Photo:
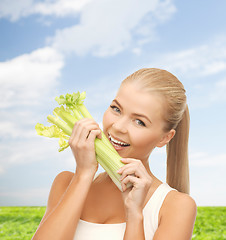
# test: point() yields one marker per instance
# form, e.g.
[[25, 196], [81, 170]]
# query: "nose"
[[120, 125]]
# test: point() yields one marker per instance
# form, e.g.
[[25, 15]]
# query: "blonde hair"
[[176, 117]]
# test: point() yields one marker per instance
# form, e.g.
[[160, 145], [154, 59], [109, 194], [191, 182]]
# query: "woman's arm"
[[134, 227], [66, 202], [61, 219], [177, 219], [177, 214], [134, 197]]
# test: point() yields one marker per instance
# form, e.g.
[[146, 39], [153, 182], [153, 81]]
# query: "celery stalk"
[[61, 124], [66, 116], [111, 173], [107, 156], [83, 110], [77, 114]]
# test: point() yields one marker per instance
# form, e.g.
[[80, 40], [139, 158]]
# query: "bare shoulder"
[[58, 188], [178, 200], [177, 203], [177, 216]]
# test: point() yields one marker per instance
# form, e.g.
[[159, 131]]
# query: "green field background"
[[21, 223]]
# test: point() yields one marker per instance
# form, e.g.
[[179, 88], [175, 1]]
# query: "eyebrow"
[[135, 114]]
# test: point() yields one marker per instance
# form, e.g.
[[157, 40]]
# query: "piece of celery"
[[72, 111]]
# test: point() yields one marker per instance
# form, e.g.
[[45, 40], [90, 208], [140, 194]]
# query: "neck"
[[146, 165]]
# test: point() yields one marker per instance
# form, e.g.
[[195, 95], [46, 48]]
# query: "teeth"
[[117, 142]]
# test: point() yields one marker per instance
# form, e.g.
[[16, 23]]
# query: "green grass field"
[[21, 223]]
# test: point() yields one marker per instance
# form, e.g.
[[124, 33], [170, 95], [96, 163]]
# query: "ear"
[[166, 138]]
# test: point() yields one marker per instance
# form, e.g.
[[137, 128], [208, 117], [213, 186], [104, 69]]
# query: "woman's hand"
[[82, 144], [134, 197]]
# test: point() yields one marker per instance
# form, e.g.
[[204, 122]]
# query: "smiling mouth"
[[117, 143]]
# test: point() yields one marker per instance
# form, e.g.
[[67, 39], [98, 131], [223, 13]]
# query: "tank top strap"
[[152, 208]]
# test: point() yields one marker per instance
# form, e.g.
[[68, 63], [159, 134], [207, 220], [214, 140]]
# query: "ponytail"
[[176, 117], [177, 156]]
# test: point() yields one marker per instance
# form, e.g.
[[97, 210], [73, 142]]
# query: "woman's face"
[[133, 122]]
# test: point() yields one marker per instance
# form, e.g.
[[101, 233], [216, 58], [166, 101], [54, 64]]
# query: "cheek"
[[146, 140], [143, 145], [107, 119]]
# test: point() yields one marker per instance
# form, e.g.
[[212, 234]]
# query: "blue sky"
[[48, 48]]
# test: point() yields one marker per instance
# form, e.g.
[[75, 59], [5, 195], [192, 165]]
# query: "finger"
[[120, 170], [86, 127], [126, 166], [84, 122], [76, 132], [98, 133], [77, 126], [128, 162], [84, 134], [131, 170], [86, 130], [91, 121], [131, 179], [82, 129], [92, 135]]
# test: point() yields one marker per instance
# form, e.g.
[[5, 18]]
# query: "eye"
[[139, 122], [115, 109]]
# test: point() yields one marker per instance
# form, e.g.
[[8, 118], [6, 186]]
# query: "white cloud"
[[15, 9], [18, 122], [27, 197], [1, 170], [109, 26], [218, 92], [28, 78], [204, 159], [207, 94], [200, 61], [12, 129], [207, 173], [137, 51], [27, 83], [106, 27], [200, 69], [208, 192], [26, 151], [35, 192], [23, 8], [60, 8]]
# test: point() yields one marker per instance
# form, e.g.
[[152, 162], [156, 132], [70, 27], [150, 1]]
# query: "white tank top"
[[96, 231]]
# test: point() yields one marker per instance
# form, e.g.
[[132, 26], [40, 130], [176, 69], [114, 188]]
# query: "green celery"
[[74, 110]]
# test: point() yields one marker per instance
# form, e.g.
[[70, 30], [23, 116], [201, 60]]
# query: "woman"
[[149, 111]]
